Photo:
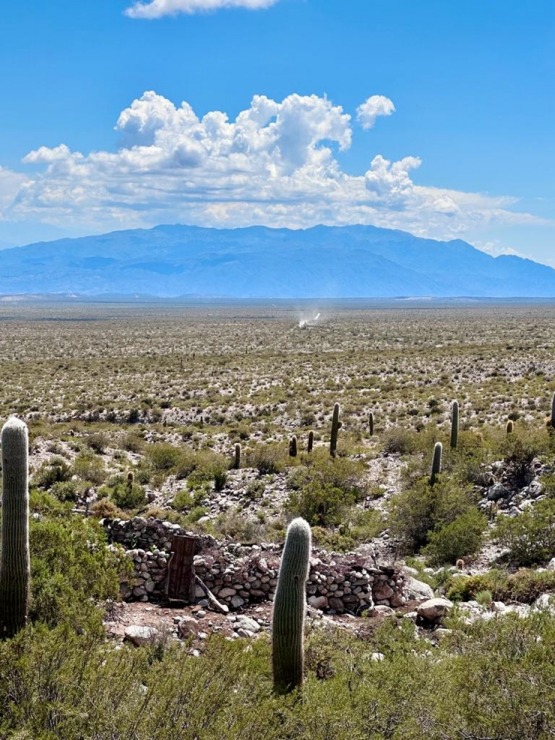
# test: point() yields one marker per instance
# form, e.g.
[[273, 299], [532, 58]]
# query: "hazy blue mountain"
[[258, 262]]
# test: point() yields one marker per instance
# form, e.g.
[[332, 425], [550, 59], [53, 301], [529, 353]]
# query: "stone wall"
[[240, 575]]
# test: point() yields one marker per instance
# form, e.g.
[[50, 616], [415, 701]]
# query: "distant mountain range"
[[259, 262]]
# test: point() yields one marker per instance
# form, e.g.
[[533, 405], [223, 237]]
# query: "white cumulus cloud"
[[374, 106], [160, 8], [277, 163]]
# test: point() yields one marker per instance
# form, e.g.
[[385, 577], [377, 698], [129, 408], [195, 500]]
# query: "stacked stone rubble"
[[243, 575]]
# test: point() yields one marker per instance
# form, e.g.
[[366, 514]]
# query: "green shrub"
[[89, 467], [524, 586], [98, 442], [416, 512], [530, 536], [65, 490], [182, 501], [55, 470], [125, 494], [163, 456], [268, 458], [71, 568], [463, 536], [400, 441], [324, 489]]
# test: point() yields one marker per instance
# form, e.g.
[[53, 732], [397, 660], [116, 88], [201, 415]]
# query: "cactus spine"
[[454, 424], [436, 462], [310, 444], [293, 446], [15, 560], [335, 427], [289, 609], [371, 423], [237, 457]]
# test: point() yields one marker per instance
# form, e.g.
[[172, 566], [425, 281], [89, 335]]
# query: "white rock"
[[434, 610], [139, 634], [318, 602], [248, 623], [418, 589]]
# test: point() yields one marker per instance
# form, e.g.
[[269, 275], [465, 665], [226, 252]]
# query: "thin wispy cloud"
[[277, 163], [161, 8]]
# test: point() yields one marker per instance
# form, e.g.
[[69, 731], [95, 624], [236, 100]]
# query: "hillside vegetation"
[[138, 411]]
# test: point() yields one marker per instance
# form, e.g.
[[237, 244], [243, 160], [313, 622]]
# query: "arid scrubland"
[[186, 415]]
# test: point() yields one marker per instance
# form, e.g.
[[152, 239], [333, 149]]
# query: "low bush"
[[463, 536], [421, 510], [55, 470], [524, 586], [530, 536]]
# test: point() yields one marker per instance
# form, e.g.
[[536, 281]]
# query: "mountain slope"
[[258, 262]]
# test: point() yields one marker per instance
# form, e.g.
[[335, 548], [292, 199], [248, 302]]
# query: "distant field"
[[254, 365]]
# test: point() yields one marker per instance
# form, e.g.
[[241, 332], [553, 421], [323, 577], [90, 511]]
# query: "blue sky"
[[433, 117]]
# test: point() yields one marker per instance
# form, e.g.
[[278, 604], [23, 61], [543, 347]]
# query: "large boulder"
[[418, 589], [434, 610]]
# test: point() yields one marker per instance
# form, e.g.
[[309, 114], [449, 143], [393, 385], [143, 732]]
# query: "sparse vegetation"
[[123, 419]]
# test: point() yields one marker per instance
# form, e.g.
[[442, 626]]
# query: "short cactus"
[[289, 609], [310, 444], [335, 427], [293, 446], [371, 423], [237, 457], [454, 424], [510, 427], [15, 559], [436, 462]]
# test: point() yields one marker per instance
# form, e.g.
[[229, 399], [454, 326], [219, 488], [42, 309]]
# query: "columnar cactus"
[[237, 457], [289, 609], [14, 560], [436, 462], [553, 411], [510, 427], [293, 446], [335, 427], [454, 424], [371, 423], [310, 444]]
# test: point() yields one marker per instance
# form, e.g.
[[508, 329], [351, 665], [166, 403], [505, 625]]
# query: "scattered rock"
[[140, 635], [434, 610]]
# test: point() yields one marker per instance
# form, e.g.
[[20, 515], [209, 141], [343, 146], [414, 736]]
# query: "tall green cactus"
[[454, 424], [289, 609], [335, 427], [14, 560], [371, 423], [553, 411], [310, 444], [436, 462]]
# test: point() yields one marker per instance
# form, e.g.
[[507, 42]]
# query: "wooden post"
[[180, 584]]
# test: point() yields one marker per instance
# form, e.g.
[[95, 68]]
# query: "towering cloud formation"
[[277, 163]]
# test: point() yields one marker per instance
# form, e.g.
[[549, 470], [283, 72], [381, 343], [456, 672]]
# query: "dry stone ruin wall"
[[241, 575]]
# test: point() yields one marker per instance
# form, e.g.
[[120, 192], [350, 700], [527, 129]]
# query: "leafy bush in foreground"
[[494, 680]]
